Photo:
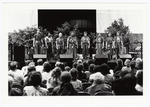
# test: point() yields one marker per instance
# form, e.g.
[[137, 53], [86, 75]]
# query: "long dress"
[[37, 44], [110, 46], [72, 45], [99, 45], [49, 46], [118, 45], [85, 45]]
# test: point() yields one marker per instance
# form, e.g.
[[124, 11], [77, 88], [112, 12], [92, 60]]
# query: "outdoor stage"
[[97, 59]]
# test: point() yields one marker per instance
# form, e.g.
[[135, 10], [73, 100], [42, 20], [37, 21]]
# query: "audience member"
[[74, 81], [35, 89], [39, 67], [139, 84], [16, 74], [108, 77], [98, 85], [65, 88], [54, 81]]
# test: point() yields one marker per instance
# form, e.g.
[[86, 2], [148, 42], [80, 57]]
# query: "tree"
[[117, 25]]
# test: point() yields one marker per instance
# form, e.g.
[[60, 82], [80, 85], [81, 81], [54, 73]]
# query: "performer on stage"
[[49, 45], [59, 44], [37, 43], [118, 44], [99, 44], [126, 42], [72, 44], [85, 45], [110, 46]]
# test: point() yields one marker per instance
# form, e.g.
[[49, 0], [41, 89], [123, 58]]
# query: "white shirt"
[[35, 91], [17, 75], [39, 68]]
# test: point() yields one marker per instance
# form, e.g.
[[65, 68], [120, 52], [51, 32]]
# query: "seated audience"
[[127, 66], [15, 73], [54, 81], [81, 74], [98, 85], [46, 74], [74, 81], [108, 77], [125, 85], [74, 65], [139, 84], [16, 90], [90, 71], [65, 88], [67, 68], [118, 68], [39, 67], [35, 89]]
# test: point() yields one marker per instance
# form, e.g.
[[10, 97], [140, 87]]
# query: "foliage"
[[22, 36], [117, 25]]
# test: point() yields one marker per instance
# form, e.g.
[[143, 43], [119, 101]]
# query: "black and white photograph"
[[75, 49]]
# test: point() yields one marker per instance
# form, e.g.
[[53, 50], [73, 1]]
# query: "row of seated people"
[[83, 78]]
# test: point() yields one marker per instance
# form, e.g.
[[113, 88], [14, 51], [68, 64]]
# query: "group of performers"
[[114, 45]]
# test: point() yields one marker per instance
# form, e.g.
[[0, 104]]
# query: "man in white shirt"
[[39, 67], [15, 73]]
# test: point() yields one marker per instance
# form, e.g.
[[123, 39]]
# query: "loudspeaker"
[[125, 56], [39, 56], [66, 57], [100, 59]]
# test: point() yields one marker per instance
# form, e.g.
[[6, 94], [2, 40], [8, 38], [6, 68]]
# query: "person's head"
[[139, 78], [72, 33], [132, 64], [79, 61], [130, 81], [74, 65], [16, 90], [49, 35], [109, 34], [31, 64], [57, 64], [17, 64], [99, 34], [74, 73], [118, 33], [31, 68], [96, 69], [60, 35], [140, 65], [13, 66], [35, 78], [85, 33], [80, 68], [67, 68], [27, 62], [56, 72], [65, 77], [138, 61], [85, 65], [119, 63], [39, 61], [62, 66], [46, 66], [98, 78], [127, 62], [104, 69], [91, 68]]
